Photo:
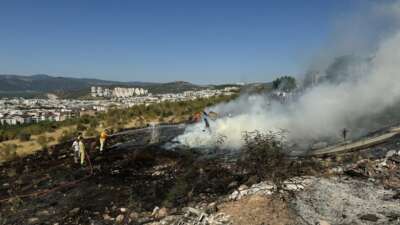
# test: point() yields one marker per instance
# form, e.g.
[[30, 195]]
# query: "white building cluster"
[[117, 92], [178, 97], [34, 116], [22, 111]]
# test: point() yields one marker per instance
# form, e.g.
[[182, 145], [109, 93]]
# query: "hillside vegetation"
[[25, 139]]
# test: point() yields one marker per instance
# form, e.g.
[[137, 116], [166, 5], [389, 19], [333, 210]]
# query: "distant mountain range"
[[17, 85]]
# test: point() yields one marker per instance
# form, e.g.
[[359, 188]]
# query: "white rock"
[[234, 195], [155, 211], [134, 215], [293, 187], [243, 187], [194, 211], [337, 170], [323, 222], [390, 153], [33, 220], [120, 218], [107, 217], [383, 163]]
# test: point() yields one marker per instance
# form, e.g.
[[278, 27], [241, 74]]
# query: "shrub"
[[67, 135], [118, 127], [24, 136], [51, 139], [263, 155], [91, 132], [42, 141], [93, 123], [81, 127], [285, 83]]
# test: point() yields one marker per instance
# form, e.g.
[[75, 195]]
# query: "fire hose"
[[61, 186]]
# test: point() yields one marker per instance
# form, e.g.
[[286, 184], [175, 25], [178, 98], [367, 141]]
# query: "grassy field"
[[42, 136], [24, 148]]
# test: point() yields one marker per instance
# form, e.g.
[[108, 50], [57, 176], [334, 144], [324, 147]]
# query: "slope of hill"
[[173, 87], [45, 83], [35, 85]]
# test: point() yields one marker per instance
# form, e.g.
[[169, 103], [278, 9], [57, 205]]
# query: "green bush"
[[263, 155], [24, 136], [285, 83], [93, 123], [42, 141], [67, 135], [91, 132], [81, 127]]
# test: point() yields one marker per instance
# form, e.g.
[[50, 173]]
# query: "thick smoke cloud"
[[351, 88]]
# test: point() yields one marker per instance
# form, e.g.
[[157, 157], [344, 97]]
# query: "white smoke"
[[320, 112]]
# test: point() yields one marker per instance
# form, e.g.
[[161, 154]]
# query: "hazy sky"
[[203, 41]]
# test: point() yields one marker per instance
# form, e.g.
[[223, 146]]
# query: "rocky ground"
[[137, 182]]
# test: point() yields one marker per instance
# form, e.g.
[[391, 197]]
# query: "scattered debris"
[[194, 216], [33, 220], [263, 188], [267, 188], [345, 201]]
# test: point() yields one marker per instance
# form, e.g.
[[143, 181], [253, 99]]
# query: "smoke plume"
[[351, 88]]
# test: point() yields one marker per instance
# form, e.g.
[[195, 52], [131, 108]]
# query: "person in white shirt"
[[82, 152], [76, 149]]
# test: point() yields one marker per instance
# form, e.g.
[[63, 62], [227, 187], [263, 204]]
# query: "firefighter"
[[197, 117], [205, 118], [81, 150], [207, 123], [344, 134], [75, 148], [103, 138]]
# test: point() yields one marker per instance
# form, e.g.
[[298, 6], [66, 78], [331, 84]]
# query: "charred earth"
[[138, 181]]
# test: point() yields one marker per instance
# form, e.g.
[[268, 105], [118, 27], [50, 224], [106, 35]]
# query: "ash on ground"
[[137, 181]]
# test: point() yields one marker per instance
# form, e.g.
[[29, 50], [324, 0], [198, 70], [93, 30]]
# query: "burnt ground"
[[48, 188], [136, 174]]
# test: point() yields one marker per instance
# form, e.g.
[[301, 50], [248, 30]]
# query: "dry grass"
[[29, 147], [25, 148], [132, 124]]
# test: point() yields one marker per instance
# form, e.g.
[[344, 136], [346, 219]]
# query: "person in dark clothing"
[[205, 118], [344, 134], [207, 123]]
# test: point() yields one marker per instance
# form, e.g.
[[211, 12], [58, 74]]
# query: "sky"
[[207, 41]]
